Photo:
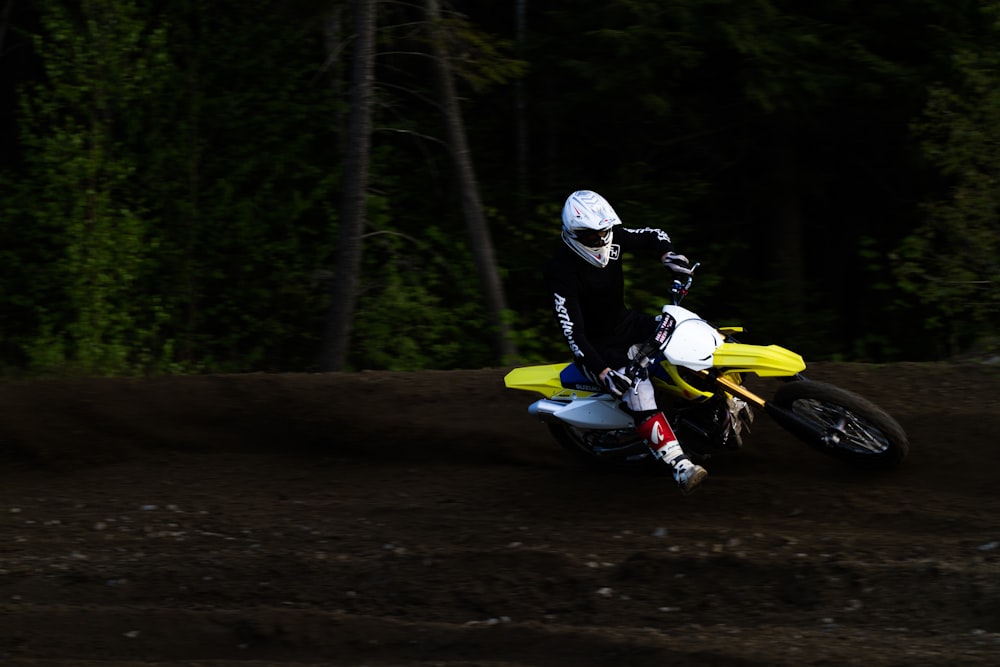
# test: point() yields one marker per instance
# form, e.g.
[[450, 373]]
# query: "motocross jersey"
[[590, 301]]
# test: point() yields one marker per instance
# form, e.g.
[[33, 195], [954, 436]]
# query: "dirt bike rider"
[[587, 283]]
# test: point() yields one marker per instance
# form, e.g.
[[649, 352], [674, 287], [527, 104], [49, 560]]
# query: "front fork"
[[721, 419], [736, 389], [801, 428]]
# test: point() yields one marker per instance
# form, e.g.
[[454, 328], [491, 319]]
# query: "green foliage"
[[415, 310], [248, 190], [480, 59], [81, 128], [177, 203], [171, 202], [950, 263]]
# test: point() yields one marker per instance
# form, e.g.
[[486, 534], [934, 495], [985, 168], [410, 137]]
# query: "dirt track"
[[425, 519]]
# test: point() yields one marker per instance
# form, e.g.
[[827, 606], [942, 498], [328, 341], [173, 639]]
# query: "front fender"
[[764, 360]]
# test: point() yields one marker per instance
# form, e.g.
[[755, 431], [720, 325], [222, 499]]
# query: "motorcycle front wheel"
[[619, 450], [849, 427]]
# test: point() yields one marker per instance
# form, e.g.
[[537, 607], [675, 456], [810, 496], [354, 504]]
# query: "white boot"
[[688, 475], [663, 443]]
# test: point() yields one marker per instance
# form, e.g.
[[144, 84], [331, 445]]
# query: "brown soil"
[[390, 519]]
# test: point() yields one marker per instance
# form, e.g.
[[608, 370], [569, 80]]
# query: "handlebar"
[[647, 351], [678, 290]]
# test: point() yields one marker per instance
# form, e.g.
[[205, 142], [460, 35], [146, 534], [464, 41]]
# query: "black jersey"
[[590, 301]]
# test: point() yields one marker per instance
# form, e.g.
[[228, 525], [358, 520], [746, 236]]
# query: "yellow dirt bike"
[[697, 371]]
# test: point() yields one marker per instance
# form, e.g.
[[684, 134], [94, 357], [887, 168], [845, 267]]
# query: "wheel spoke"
[[847, 426], [843, 428]]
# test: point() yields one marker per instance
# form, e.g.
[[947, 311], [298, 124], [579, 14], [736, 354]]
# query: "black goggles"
[[592, 238]]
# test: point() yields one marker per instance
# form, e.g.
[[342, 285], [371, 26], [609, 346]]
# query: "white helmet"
[[588, 219]]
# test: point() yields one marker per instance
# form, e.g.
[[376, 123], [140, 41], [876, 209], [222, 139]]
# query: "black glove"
[[617, 383], [677, 263], [638, 369]]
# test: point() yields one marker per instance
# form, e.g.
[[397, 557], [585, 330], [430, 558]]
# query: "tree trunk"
[[521, 193], [343, 290], [786, 229], [472, 208], [8, 8]]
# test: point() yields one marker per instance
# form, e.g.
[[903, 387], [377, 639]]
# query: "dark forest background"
[[172, 175]]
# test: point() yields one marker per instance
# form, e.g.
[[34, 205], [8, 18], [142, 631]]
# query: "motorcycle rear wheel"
[[855, 430]]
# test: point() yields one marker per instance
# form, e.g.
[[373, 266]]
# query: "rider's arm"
[[655, 242], [569, 316], [645, 242], [564, 288]]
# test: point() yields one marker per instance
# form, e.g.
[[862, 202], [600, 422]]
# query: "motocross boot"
[[663, 443]]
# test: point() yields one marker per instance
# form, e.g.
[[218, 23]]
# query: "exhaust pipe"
[[545, 409], [586, 413]]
